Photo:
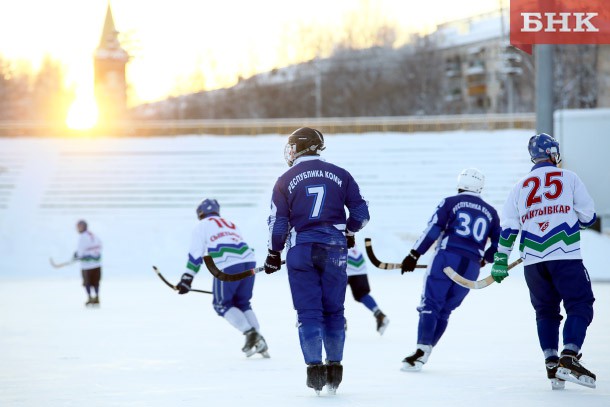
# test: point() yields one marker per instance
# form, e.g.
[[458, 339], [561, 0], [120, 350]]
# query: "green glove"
[[499, 271]]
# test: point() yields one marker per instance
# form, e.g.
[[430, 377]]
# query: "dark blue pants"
[[317, 277], [441, 295], [550, 283], [228, 294]]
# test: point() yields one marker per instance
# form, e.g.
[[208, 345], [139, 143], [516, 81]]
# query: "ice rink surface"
[[147, 346]]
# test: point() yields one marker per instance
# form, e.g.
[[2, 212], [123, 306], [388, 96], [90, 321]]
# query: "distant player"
[[89, 253], [223, 241], [359, 283], [549, 206], [462, 224], [308, 216]]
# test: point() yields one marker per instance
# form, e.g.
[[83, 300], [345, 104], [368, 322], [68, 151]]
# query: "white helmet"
[[471, 180]]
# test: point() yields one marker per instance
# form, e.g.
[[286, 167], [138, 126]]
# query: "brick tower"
[[109, 75]]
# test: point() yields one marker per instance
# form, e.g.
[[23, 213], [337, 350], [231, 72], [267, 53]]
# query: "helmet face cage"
[[543, 147], [208, 207], [81, 225], [472, 180]]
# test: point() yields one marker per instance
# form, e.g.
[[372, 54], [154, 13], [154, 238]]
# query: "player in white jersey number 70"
[[549, 206], [223, 241]]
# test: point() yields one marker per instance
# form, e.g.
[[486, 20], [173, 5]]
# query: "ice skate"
[[262, 348], [382, 321], [316, 377], [255, 343], [95, 302], [551, 371], [334, 375], [89, 302], [570, 369], [415, 361]]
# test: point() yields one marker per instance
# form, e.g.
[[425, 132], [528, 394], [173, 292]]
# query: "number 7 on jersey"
[[318, 191]]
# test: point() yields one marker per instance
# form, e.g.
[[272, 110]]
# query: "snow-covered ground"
[[147, 346]]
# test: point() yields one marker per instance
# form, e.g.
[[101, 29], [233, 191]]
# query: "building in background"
[[110, 85], [483, 73]]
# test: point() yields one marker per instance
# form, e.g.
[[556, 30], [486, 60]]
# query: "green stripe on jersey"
[[508, 243], [226, 250], [355, 263], [193, 267], [559, 237]]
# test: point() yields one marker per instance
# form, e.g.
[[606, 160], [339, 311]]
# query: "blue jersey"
[[463, 223], [308, 205]]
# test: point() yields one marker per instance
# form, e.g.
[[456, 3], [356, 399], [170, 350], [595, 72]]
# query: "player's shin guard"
[[310, 337], [334, 341], [574, 332], [548, 332]]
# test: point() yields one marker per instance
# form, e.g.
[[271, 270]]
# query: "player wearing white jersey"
[[89, 253], [549, 206], [358, 281], [223, 241]]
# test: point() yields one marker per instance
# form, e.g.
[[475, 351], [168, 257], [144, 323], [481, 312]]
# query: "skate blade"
[[332, 391], [265, 354], [558, 384], [566, 374], [408, 368]]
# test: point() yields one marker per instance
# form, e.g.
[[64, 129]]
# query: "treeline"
[[378, 81], [39, 95]]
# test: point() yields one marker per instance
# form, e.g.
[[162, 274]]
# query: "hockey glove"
[[351, 239], [184, 286], [488, 257], [273, 262], [409, 263], [499, 271]]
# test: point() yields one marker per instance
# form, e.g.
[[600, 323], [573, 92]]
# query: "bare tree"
[[50, 97], [576, 81]]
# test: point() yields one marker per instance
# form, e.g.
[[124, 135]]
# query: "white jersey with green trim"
[[89, 251], [220, 239], [549, 206], [355, 262]]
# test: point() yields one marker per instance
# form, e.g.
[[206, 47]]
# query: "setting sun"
[[83, 113]]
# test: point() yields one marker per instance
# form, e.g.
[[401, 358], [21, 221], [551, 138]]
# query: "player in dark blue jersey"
[[462, 224], [308, 218]]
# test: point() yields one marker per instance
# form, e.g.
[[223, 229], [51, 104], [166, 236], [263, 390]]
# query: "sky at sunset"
[[171, 40]]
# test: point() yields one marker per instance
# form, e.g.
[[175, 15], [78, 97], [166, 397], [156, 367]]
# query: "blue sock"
[[310, 336], [426, 328], [548, 333], [441, 325], [369, 302], [574, 331], [334, 341]]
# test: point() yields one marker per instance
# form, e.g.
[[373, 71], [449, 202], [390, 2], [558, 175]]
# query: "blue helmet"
[[544, 147], [208, 207]]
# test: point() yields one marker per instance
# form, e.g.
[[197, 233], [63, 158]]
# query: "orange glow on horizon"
[[190, 45]]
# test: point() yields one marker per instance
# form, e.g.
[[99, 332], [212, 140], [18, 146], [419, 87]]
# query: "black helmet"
[[304, 141]]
